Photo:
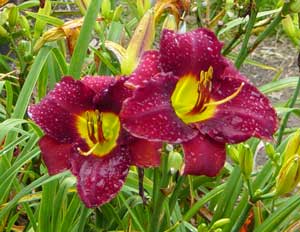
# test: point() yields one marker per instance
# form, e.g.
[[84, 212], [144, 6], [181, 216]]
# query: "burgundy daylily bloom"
[[83, 133], [188, 93]]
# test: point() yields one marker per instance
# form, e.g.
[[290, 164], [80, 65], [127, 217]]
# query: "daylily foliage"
[[184, 93]]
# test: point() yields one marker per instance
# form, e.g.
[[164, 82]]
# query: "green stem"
[[158, 197], [195, 208], [242, 218], [243, 52], [174, 197], [290, 105], [270, 29], [83, 217]]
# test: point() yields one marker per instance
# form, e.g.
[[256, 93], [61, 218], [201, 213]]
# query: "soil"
[[280, 54]]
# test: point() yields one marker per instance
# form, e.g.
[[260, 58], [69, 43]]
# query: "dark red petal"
[[112, 98], [55, 121], [72, 95], [231, 71], [248, 114], [99, 179], [148, 67], [145, 154], [203, 156], [98, 83], [56, 155], [190, 52], [149, 114]]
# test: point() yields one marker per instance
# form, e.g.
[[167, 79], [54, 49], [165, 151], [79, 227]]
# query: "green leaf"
[[289, 82], [33, 185], [83, 41], [277, 218], [46, 19]]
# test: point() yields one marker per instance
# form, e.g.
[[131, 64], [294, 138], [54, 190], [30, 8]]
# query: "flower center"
[[191, 98], [100, 130]]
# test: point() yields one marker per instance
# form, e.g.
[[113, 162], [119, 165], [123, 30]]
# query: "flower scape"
[[185, 93]]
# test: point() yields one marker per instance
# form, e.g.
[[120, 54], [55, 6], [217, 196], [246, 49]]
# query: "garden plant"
[[139, 115]]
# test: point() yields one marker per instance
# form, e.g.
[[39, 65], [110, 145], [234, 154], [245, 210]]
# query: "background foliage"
[[32, 61]]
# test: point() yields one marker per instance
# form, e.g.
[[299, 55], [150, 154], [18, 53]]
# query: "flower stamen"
[[226, 99]]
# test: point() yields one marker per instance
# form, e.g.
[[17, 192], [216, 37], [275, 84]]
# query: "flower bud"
[[3, 32], [246, 160], [233, 153], [293, 147], [117, 13], [4, 16], [141, 41], [288, 26], [142, 7], [289, 176], [82, 5], [175, 162], [295, 6], [13, 15], [219, 223], [170, 23], [105, 9], [25, 25], [270, 150]]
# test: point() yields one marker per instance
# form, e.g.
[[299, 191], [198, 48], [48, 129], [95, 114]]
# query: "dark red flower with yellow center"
[[83, 133], [188, 93]]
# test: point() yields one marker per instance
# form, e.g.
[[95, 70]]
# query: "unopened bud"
[[246, 160], [289, 176], [175, 162], [270, 150], [295, 6], [288, 26], [293, 147], [25, 25], [233, 153], [105, 9], [202, 227], [3, 32], [141, 41], [170, 23], [220, 223], [4, 16], [83, 5], [142, 6], [117, 13], [13, 16]]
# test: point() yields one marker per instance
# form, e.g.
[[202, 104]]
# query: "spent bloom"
[[187, 92], [83, 133]]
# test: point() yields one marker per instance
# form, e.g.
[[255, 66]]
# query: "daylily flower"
[[187, 93], [83, 133]]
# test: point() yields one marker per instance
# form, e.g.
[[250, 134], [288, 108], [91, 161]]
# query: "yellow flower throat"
[[191, 98], [100, 130]]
